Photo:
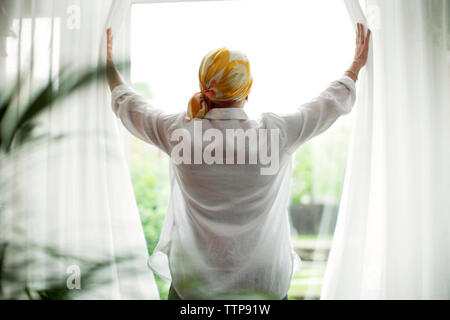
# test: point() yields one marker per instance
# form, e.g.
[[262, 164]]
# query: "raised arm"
[[319, 114], [112, 74]]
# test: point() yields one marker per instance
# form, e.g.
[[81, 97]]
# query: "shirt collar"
[[226, 113]]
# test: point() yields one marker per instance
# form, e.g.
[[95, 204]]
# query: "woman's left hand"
[[362, 46], [361, 52]]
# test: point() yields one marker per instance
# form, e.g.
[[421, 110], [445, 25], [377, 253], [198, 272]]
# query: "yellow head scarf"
[[224, 78]]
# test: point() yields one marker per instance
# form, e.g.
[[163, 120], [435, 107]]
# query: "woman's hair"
[[224, 77]]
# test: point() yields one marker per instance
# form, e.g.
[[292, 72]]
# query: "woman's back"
[[226, 231], [230, 233]]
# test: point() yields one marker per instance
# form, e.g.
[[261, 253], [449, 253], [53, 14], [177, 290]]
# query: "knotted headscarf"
[[224, 78]]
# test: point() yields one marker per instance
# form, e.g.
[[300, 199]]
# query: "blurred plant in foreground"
[[19, 119]]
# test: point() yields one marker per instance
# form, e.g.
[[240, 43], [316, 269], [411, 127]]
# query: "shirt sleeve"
[[316, 116], [141, 118]]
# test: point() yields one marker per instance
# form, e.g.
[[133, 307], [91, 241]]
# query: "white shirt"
[[226, 230]]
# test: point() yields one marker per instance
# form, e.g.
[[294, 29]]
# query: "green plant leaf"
[[64, 85]]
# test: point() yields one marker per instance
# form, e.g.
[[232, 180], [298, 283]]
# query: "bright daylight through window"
[[293, 56]]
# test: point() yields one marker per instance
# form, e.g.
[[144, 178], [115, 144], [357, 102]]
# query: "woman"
[[226, 233]]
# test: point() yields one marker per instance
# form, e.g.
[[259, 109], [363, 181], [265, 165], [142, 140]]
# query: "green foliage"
[[330, 161], [150, 176], [319, 167], [18, 129], [302, 188], [163, 287], [18, 121], [55, 283]]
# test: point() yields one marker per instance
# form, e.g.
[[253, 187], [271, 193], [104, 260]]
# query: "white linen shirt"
[[226, 231]]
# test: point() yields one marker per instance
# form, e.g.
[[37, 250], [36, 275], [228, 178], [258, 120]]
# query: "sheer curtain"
[[392, 238], [68, 212]]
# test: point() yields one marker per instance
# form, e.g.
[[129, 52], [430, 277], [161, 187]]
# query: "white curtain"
[[71, 195], [392, 238]]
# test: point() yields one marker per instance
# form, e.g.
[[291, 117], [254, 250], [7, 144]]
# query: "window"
[[295, 49]]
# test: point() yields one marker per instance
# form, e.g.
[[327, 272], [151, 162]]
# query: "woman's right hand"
[[361, 52], [112, 75], [109, 58]]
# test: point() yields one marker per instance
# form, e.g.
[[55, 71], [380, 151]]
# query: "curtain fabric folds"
[[392, 239], [68, 212]]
